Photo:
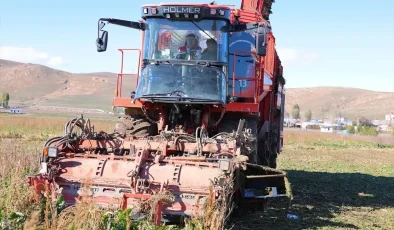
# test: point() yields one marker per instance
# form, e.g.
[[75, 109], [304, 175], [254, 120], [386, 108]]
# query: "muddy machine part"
[[129, 172]]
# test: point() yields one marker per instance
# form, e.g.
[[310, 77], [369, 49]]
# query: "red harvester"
[[205, 123]]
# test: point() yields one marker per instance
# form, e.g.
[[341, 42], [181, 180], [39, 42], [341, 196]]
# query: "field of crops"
[[338, 182]]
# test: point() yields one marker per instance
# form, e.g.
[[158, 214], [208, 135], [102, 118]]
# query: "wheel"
[[272, 160], [136, 126], [274, 148], [268, 156]]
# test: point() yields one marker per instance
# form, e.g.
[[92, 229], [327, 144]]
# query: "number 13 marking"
[[242, 83]]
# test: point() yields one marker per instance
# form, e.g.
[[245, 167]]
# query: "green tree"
[[295, 112], [308, 115], [367, 130], [5, 99], [363, 121], [350, 129]]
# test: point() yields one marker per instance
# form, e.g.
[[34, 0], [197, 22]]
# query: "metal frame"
[[119, 80]]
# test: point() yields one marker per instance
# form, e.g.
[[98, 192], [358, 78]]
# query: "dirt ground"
[[338, 182]]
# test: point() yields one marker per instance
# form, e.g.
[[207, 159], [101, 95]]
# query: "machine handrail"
[[119, 80]]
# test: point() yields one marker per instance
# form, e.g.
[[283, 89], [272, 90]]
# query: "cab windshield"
[[185, 40], [174, 82]]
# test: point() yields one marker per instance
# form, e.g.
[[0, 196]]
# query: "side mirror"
[[102, 37], [261, 41], [102, 41]]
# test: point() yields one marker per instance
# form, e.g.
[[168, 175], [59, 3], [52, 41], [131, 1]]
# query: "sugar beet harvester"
[[207, 113]]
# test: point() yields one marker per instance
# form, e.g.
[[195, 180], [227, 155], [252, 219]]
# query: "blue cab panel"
[[240, 46]]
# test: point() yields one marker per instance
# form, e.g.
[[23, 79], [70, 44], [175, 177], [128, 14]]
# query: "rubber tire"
[[265, 154], [129, 126], [274, 156], [267, 158], [272, 163]]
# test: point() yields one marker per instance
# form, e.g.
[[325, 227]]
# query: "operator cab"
[[184, 47], [185, 52]]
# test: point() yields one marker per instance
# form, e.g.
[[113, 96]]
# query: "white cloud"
[[287, 54], [291, 56], [28, 55], [55, 61]]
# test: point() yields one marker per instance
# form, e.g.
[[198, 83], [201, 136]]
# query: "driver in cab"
[[191, 50], [210, 53]]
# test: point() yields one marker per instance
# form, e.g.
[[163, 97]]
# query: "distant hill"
[[327, 102], [31, 84]]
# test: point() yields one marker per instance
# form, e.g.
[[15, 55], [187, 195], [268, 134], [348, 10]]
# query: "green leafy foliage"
[[367, 130], [14, 220], [5, 99], [295, 112], [350, 129]]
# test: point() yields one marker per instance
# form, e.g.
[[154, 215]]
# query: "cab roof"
[[227, 7]]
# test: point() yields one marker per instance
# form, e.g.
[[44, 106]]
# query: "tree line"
[[364, 125], [296, 113]]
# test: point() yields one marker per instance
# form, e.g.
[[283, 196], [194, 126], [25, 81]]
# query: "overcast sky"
[[346, 43]]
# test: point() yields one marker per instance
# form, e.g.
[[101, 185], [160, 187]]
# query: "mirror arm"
[[250, 26], [119, 22]]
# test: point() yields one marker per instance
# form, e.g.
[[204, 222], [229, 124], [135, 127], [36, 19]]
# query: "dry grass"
[[217, 213], [82, 216], [313, 137], [338, 182], [40, 128], [16, 159], [21, 141]]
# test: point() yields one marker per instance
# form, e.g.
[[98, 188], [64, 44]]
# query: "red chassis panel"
[[230, 107]]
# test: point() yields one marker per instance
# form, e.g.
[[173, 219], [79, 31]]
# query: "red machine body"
[[264, 91]]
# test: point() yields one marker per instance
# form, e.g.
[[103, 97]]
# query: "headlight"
[[224, 165], [52, 152]]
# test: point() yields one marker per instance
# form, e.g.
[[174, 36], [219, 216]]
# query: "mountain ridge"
[[33, 84]]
